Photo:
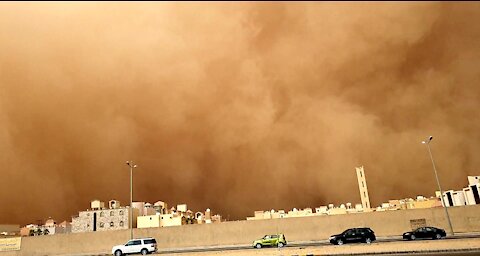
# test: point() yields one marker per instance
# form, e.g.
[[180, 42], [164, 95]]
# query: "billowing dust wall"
[[233, 99]]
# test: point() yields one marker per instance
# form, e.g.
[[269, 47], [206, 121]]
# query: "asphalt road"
[[320, 243], [473, 253]]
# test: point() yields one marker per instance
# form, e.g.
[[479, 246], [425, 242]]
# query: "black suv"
[[354, 235], [425, 232]]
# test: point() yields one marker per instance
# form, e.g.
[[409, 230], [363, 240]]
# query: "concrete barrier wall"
[[391, 223]]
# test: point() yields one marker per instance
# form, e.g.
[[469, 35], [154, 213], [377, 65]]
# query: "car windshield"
[[367, 230], [134, 242]]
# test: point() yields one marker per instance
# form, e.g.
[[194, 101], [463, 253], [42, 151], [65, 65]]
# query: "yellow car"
[[270, 240]]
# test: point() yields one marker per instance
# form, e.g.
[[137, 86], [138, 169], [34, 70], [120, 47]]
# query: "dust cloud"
[[235, 107]]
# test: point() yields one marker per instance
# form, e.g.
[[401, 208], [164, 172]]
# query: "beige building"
[[473, 180], [100, 219], [169, 220], [467, 196], [362, 186], [35, 230], [97, 205], [472, 191], [163, 220], [337, 211], [64, 227], [113, 204], [30, 230], [144, 208], [160, 207], [472, 194], [50, 225], [217, 218], [422, 203], [319, 211], [182, 208], [7, 230], [176, 216], [25, 231], [324, 210], [150, 221], [49, 228]]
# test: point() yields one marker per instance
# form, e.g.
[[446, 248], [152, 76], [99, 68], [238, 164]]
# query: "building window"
[[121, 223], [111, 213], [364, 194], [111, 224], [102, 224], [363, 185], [88, 225], [88, 214], [121, 213], [101, 214]]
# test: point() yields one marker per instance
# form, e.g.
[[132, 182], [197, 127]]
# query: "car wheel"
[[437, 236], [412, 237], [258, 246], [280, 245], [340, 242], [368, 240], [118, 253]]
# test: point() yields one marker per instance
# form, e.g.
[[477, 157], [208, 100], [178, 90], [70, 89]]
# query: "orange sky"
[[235, 107]]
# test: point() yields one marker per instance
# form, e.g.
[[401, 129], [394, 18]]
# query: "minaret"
[[362, 187]]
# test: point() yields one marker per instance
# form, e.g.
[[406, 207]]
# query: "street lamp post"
[[427, 142], [132, 165]]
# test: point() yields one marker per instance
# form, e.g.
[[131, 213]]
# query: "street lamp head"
[[430, 138], [131, 164]]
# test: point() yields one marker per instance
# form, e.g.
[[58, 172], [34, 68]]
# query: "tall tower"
[[362, 186]]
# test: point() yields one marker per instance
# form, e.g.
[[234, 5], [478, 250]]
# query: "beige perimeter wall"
[[392, 223]]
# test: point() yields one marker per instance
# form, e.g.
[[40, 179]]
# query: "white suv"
[[139, 245]]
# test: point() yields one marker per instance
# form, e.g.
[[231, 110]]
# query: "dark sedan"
[[354, 235], [425, 233]]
